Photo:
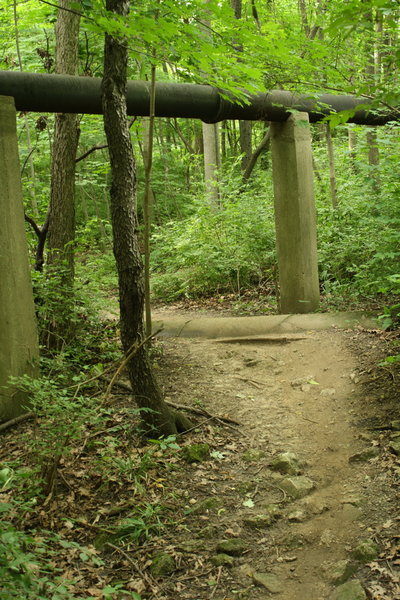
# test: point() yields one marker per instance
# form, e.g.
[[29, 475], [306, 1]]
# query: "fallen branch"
[[197, 411], [257, 384], [203, 412], [120, 384], [196, 426], [217, 582], [261, 339], [12, 422], [149, 580], [225, 421]]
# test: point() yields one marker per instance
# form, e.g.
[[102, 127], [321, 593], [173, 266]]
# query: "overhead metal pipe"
[[36, 92]]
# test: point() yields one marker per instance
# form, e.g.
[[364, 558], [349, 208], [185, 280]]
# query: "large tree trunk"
[[211, 145], [160, 420], [373, 159], [352, 145], [373, 71], [332, 171], [61, 234], [245, 127]]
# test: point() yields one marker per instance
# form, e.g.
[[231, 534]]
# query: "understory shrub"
[[216, 249], [359, 242]]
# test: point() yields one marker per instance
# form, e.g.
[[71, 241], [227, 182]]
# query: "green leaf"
[[248, 503]]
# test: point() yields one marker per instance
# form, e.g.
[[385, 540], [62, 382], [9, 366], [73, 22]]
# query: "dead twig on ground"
[[12, 422], [271, 339], [87, 438], [257, 384], [196, 426], [149, 580], [191, 577], [276, 487], [309, 420], [203, 412], [120, 384], [217, 582], [225, 421], [95, 527], [197, 411]]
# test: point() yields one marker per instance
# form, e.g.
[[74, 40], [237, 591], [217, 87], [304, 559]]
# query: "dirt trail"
[[302, 396], [316, 425]]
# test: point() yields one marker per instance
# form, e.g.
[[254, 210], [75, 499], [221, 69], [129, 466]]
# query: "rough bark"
[[245, 127], [373, 71], [304, 17], [245, 130], [147, 200], [161, 420], [211, 146], [373, 159], [332, 171], [31, 184], [61, 234], [352, 145]]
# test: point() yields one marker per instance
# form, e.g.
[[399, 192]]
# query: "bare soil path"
[[312, 394]]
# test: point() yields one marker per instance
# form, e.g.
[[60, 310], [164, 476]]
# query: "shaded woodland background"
[[210, 221]]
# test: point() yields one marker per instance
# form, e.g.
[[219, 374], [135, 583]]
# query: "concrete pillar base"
[[19, 348], [295, 215]]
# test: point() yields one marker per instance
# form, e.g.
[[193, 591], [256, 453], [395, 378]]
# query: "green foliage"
[[216, 249], [196, 249], [24, 572], [168, 443], [63, 416], [141, 525], [27, 566], [27, 557], [359, 243], [232, 247], [89, 340]]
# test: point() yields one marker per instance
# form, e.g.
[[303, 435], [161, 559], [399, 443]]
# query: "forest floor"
[[296, 494]]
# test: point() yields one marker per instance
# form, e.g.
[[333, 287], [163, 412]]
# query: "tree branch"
[[88, 152], [178, 130], [33, 224], [75, 12], [100, 146], [252, 162]]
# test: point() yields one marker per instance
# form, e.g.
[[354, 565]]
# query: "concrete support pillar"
[[19, 349], [295, 216]]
